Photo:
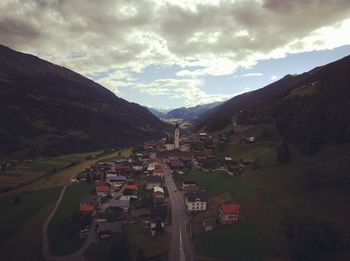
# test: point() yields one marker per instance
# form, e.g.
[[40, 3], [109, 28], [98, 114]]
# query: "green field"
[[113, 248], [241, 241], [116, 155], [60, 243], [38, 169], [13, 216], [58, 162], [219, 182]]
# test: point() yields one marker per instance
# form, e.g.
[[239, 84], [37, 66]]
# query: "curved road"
[[181, 245], [76, 256]]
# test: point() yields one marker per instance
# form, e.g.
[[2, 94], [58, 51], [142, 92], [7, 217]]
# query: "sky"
[[169, 54]]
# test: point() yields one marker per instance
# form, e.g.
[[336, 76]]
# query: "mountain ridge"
[[49, 109], [293, 105]]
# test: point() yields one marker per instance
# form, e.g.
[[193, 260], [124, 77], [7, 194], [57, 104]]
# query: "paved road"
[[181, 245]]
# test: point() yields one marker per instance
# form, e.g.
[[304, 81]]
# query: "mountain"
[[192, 113], [308, 109], [47, 109], [156, 112]]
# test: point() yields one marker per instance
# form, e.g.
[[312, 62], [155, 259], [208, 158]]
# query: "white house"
[[158, 193], [196, 200], [186, 147]]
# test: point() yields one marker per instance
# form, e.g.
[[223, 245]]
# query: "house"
[[125, 197], [152, 166], [186, 147], [87, 209], [187, 163], [235, 169], [119, 205], [227, 159], [157, 219], [131, 189], [110, 215], [158, 194], [153, 181], [189, 183], [203, 134], [94, 201], [208, 224], [82, 176], [116, 180], [229, 213], [175, 164], [200, 158], [158, 172], [247, 162], [247, 140], [169, 146], [102, 188], [196, 200], [106, 229]]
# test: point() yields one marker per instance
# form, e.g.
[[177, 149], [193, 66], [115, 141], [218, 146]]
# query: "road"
[[76, 256], [181, 245]]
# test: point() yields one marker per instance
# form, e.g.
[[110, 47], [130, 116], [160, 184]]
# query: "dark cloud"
[[130, 35], [16, 32]]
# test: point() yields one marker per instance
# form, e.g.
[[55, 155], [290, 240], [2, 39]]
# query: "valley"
[[86, 175]]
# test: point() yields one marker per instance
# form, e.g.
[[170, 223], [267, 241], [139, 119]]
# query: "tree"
[[283, 154]]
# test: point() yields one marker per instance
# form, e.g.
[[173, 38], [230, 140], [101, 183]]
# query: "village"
[[131, 190]]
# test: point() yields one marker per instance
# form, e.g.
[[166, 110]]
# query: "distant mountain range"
[[47, 109], [185, 114], [308, 109]]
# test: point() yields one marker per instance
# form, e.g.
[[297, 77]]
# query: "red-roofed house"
[[130, 190], [229, 213], [158, 172], [131, 187], [102, 188], [87, 209], [200, 158], [175, 164]]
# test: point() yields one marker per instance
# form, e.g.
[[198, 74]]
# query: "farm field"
[[116, 155], [35, 169], [17, 210], [27, 238], [241, 241]]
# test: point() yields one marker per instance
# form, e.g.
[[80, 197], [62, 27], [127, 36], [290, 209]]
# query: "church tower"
[[177, 137]]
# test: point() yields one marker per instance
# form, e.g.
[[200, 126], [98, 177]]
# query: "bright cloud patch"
[[182, 89]]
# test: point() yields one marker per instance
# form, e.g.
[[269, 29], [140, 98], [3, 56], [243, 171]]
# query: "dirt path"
[[76, 256]]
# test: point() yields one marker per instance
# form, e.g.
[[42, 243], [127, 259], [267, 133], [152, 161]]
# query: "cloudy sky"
[[165, 53]]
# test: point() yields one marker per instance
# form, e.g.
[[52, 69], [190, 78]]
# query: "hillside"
[[308, 109], [46, 109], [191, 113]]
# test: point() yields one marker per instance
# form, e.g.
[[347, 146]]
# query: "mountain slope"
[[191, 113], [48, 109], [308, 109]]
